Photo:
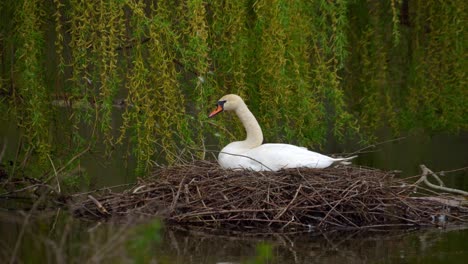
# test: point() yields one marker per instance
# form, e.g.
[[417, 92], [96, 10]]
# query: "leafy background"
[[309, 71]]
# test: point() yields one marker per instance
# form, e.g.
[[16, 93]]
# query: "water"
[[56, 237], [59, 238]]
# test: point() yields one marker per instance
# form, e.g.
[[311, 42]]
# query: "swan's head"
[[228, 102]]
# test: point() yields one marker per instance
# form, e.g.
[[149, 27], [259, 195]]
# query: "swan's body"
[[252, 154]]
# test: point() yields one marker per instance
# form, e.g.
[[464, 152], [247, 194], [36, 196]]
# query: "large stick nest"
[[204, 195]]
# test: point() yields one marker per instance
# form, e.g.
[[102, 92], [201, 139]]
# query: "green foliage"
[[307, 69], [368, 76], [157, 119], [437, 96], [32, 92]]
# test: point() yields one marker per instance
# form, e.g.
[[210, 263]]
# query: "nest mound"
[[204, 195]]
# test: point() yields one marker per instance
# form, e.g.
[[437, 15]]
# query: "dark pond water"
[[58, 238]]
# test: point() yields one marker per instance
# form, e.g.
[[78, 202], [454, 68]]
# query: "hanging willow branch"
[[307, 68]]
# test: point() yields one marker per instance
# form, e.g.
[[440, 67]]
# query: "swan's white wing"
[[274, 157], [278, 156]]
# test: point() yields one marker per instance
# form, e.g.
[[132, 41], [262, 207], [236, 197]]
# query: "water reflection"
[[55, 237]]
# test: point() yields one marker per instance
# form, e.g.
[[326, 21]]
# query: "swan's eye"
[[221, 103]]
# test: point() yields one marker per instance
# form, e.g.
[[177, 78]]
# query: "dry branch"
[[441, 187]]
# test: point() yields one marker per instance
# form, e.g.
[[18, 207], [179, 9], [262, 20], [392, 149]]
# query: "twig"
[[291, 202], [425, 172], [2, 153], [18, 150], [55, 173], [293, 218], [101, 189], [359, 151], [27, 188], [138, 188], [176, 198], [74, 158], [239, 155], [101, 208], [55, 221]]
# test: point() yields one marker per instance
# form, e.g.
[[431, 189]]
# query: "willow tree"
[[307, 69]]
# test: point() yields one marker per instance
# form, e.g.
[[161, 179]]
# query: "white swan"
[[251, 154]]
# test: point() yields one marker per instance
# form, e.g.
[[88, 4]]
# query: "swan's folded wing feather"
[[278, 156]]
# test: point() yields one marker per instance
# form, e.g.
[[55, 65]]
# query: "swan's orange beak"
[[218, 110]]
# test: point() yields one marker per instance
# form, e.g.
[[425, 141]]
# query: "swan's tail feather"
[[344, 161]]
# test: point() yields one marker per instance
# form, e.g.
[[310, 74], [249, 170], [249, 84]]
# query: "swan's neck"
[[252, 128]]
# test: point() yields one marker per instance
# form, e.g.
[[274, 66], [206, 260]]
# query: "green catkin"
[[396, 7], [170, 100], [58, 16], [140, 117], [273, 90], [81, 76], [110, 28], [31, 85], [196, 56], [437, 88]]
